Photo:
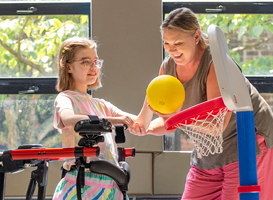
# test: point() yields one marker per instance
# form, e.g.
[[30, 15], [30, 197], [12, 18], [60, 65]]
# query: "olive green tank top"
[[195, 93]]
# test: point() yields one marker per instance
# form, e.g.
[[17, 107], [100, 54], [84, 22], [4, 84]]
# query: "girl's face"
[[83, 69], [180, 45]]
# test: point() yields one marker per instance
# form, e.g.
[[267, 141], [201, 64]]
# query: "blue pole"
[[247, 153]]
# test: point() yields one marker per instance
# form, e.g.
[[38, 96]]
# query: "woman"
[[213, 176]]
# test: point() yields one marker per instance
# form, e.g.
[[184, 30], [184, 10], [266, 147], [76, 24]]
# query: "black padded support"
[[125, 166], [120, 137], [2, 185], [109, 169]]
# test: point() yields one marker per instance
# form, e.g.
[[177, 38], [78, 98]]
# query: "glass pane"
[[179, 141], [249, 37], [29, 44], [27, 119]]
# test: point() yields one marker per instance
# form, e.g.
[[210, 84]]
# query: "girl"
[[79, 71]]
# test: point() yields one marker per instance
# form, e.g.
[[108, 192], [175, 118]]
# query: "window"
[[30, 35], [248, 29]]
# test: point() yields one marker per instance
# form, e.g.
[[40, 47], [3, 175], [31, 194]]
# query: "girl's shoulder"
[[101, 102], [108, 107], [73, 94], [67, 93]]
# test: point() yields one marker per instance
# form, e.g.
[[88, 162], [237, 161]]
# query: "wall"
[[130, 43]]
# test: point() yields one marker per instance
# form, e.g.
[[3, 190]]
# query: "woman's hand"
[[165, 116]]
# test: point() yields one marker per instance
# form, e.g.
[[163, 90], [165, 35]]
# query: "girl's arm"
[[69, 119], [122, 118]]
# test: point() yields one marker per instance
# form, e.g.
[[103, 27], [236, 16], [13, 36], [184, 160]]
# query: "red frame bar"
[[129, 152], [51, 154], [249, 188]]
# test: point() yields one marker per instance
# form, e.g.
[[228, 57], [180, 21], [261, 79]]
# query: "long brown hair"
[[66, 55]]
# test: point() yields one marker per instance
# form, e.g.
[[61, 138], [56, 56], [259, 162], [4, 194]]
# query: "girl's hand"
[[121, 120], [128, 121], [137, 130]]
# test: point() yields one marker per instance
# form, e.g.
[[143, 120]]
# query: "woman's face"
[[180, 45]]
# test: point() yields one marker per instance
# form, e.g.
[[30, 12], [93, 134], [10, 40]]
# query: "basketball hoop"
[[203, 123]]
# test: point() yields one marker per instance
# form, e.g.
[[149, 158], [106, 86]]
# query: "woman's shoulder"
[[207, 52], [168, 60], [169, 66], [206, 57]]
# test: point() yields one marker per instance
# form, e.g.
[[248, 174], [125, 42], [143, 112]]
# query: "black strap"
[[94, 118], [80, 182]]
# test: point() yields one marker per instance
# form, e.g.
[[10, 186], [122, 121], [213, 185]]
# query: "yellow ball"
[[165, 94]]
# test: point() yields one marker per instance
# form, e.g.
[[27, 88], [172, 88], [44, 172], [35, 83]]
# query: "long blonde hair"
[[185, 20], [66, 55]]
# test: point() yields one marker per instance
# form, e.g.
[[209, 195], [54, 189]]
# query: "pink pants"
[[222, 183]]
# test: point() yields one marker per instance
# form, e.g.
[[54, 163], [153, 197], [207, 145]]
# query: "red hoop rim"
[[200, 110]]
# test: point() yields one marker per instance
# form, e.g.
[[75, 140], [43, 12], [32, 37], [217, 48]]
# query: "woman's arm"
[[144, 125]]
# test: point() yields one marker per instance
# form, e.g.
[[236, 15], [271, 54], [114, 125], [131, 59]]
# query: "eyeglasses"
[[89, 63]]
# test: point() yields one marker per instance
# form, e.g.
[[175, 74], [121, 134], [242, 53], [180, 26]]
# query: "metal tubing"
[[247, 153]]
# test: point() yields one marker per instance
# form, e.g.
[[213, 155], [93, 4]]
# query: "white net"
[[206, 134]]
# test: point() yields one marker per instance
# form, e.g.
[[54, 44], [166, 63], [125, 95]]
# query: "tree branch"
[[20, 36], [254, 44], [23, 60], [11, 121]]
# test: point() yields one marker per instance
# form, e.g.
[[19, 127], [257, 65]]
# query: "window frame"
[[46, 85], [262, 83]]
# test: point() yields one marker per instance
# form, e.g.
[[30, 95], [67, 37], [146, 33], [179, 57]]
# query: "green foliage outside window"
[[27, 119], [29, 44], [249, 37], [28, 48]]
